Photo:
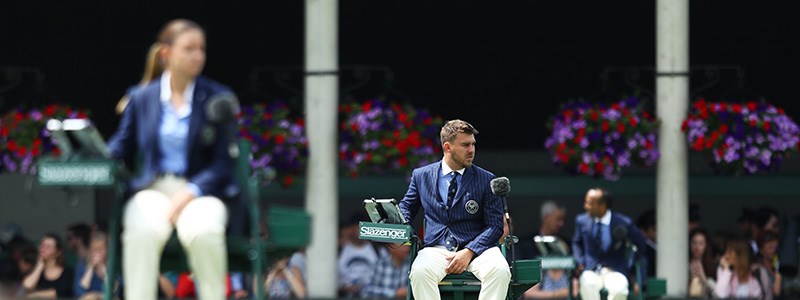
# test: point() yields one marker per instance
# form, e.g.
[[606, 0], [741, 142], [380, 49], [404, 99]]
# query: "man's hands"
[[179, 201], [459, 261]]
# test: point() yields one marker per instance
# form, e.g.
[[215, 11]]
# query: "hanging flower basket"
[[280, 147], [750, 137], [377, 137], [599, 140], [24, 138]]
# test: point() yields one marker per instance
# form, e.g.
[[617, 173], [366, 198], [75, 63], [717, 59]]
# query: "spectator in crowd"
[[765, 220], [390, 279], [768, 259], [598, 245], [11, 265], [702, 265], [552, 216], [50, 278], [91, 272], [738, 277], [286, 278], [647, 224], [554, 285], [78, 237], [356, 260]]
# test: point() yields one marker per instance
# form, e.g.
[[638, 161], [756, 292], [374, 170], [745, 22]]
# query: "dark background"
[[502, 65]]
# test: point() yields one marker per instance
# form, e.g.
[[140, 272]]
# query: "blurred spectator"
[[768, 259], [50, 278], [91, 272], [555, 284], [78, 236], [16, 248], [356, 259], [754, 223], [738, 277], [286, 278], [647, 224], [552, 216], [390, 279], [702, 265]]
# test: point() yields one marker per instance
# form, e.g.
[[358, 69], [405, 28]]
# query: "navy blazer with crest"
[[588, 252], [210, 164], [477, 228]]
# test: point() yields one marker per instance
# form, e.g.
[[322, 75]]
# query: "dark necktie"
[[452, 189], [598, 236]]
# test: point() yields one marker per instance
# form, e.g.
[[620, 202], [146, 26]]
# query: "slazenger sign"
[[386, 233]]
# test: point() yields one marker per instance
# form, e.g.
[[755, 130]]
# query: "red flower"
[[279, 139], [584, 168], [723, 128], [620, 127], [605, 125], [752, 123], [751, 106], [287, 181], [737, 108], [49, 110], [4, 131], [598, 167], [767, 126], [593, 116], [367, 106]]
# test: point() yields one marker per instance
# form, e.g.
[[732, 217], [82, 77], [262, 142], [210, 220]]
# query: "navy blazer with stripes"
[[477, 231]]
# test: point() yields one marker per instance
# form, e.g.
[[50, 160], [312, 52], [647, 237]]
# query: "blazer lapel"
[[197, 116], [466, 180], [433, 174]]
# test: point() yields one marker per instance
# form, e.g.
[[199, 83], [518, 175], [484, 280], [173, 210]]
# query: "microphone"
[[223, 108], [500, 186], [620, 234]]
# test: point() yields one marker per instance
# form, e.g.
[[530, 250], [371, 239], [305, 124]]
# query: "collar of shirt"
[[166, 94], [446, 169], [605, 219]]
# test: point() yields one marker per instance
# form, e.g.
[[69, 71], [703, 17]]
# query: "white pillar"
[[672, 93], [321, 98]]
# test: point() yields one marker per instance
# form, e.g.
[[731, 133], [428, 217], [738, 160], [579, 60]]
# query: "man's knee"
[[420, 272], [590, 281]]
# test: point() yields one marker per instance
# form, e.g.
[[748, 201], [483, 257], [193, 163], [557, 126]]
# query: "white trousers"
[[428, 269], [146, 229], [615, 283]]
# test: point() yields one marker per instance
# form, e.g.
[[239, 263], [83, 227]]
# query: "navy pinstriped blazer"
[[475, 227]]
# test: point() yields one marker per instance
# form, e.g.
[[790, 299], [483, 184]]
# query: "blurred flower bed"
[[279, 144], [379, 137], [24, 137], [741, 137], [599, 139]]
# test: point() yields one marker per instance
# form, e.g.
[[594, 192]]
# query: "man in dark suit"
[[464, 220], [600, 244]]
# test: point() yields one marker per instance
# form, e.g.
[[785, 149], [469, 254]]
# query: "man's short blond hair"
[[453, 127]]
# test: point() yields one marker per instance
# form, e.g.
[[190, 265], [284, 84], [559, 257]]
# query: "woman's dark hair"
[[59, 246], [709, 255]]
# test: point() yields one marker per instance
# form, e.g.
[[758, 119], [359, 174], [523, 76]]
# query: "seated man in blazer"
[[599, 246], [464, 219]]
